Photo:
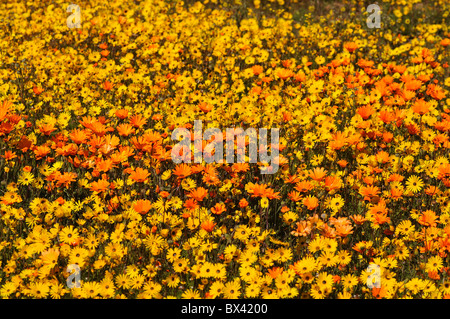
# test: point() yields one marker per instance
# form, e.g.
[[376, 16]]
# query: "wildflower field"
[[358, 208]]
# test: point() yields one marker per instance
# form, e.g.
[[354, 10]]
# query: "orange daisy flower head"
[[140, 175], [208, 225], [142, 206], [428, 218]]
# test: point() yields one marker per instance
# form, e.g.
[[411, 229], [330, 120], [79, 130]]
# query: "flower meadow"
[[87, 177]]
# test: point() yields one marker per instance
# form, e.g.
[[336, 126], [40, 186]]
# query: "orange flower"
[[428, 218], [380, 208], [164, 194], [99, 186], [444, 171], [436, 92], [105, 53], [271, 194], [386, 116], [122, 114], [65, 179], [388, 136], [342, 163], [431, 190], [382, 157], [198, 194], [274, 272], [433, 274], [318, 173], [138, 120], [257, 69], [332, 183], [4, 108], [366, 111], [37, 90], [368, 180], [41, 151], [413, 85], [396, 193], [104, 165], [79, 136], [243, 203], [350, 46], [47, 129], [343, 230], [338, 141], [421, 107], [379, 292], [205, 107], [369, 191], [381, 218], [139, 175], [303, 229], [107, 86], [284, 74], [186, 215], [218, 209], [240, 167], [208, 225], [285, 209], [294, 196], [304, 186], [311, 202], [358, 219], [182, 170], [191, 204], [261, 190], [125, 129], [142, 206], [445, 42], [9, 155], [258, 190]]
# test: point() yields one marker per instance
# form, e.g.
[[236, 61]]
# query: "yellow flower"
[[349, 281], [325, 281], [252, 291], [320, 60], [434, 264], [414, 184], [328, 259], [152, 289], [39, 289], [264, 202], [26, 178], [91, 289], [191, 294], [232, 289], [69, 234]]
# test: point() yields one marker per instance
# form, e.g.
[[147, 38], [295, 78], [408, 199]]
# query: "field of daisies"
[[87, 181]]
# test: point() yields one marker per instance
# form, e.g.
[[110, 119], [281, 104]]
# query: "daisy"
[[26, 178], [191, 294], [68, 235], [434, 264], [232, 289], [414, 184]]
